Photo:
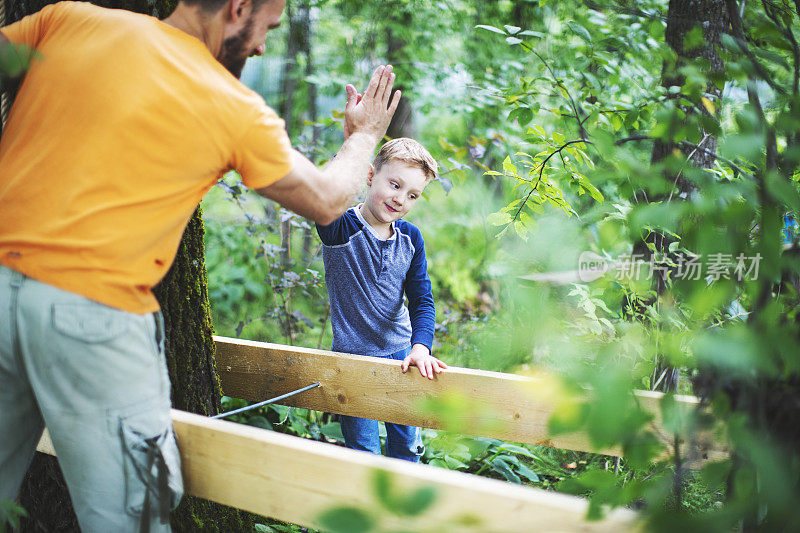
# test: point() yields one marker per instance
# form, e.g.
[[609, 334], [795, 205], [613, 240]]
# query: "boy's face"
[[393, 191]]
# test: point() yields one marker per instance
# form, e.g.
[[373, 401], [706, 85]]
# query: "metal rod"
[[265, 402]]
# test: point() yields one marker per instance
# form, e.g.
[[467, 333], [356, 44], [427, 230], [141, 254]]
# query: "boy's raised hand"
[[421, 358], [371, 112]]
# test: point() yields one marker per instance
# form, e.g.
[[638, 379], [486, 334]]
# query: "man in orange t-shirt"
[[120, 126]]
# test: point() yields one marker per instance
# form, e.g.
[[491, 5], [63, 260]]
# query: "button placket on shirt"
[[384, 256]]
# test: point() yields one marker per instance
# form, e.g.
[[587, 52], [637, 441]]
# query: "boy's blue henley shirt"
[[366, 278]]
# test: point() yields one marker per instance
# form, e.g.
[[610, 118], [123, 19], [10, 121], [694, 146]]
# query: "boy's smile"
[[393, 191]]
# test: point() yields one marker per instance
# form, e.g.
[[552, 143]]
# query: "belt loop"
[[158, 318], [16, 279]]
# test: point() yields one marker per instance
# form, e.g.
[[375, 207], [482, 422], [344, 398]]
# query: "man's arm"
[[324, 194]]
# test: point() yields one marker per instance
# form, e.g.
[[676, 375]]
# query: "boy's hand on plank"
[[371, 112], [420, 357]]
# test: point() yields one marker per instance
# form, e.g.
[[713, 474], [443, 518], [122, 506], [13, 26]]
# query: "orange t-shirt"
[[117, 132]]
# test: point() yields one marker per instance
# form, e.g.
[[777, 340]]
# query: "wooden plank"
[[295, 480], [504, 406]]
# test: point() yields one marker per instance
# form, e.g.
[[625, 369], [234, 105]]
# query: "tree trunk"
[[189, 353], [683, 16], [402, 124], [297, 14], [189, 349], [312, 117]]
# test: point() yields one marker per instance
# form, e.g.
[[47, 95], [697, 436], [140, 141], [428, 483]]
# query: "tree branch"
[[541, 171], [684, 144], [581, 129], [741, 40], [787, 32]]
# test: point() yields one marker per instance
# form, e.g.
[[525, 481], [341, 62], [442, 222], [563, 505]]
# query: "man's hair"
[[409, 152], [212, 6]]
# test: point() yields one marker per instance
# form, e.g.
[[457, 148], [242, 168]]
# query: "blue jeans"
[[402, 442]]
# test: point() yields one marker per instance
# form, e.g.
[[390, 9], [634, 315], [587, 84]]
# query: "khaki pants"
[[96, 377]]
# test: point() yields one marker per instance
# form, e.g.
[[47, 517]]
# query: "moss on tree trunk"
[[183, 296]]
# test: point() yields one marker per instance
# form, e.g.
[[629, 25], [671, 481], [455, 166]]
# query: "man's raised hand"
[[371, 112]]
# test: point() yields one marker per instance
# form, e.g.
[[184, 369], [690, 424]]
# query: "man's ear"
[[370, 174], [237, 9]]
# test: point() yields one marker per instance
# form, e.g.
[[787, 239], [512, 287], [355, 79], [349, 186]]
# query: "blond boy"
[[372, 259]]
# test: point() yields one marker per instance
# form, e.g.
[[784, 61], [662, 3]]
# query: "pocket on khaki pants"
[[153, 483]]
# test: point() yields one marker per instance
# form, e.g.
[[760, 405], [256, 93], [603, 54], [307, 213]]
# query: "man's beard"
[[234, 53]]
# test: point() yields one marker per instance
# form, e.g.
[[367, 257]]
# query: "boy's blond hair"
[[409, 152]]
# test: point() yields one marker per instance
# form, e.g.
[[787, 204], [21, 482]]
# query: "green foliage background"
[[563, 128], [669, 130]]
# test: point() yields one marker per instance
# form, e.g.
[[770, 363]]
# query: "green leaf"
[[332, 430], [735, 350], [346, 520], [538, 131], [642, 449], [16, 58], [521, 229], [11, 512], [522, 115], [446, 184], [512, 29], [715, 474], [783, 191], [393, 500], [479, 446], [694, 39], [509, 167], [527, 473], [511, 460], [772, 57], [382, 484], [513, 448], [491, 28], [582, 32], [513, 40], [416, 503], [259, 422], [593, 191], [499, 219], [504, 469], [282, 411], [453, 463], [731, 43]]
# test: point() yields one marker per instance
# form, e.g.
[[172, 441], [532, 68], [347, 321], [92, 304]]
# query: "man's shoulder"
[[70, 5], [87, 9], [71, 11]]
